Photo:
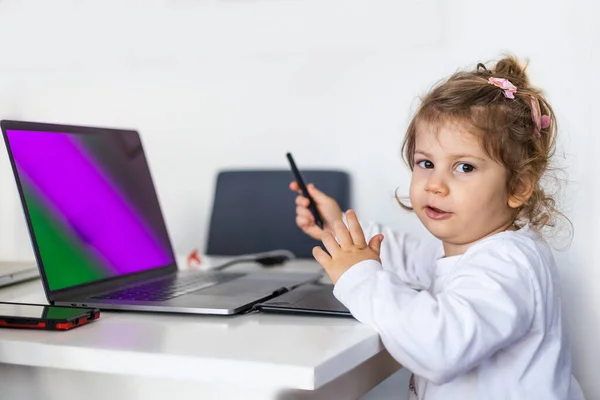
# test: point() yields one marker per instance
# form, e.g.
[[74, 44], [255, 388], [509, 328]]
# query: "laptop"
[[98, 232], [313, 298], [12, 272]]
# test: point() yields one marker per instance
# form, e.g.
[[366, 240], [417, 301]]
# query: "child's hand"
[[352, 247], [328, 208]]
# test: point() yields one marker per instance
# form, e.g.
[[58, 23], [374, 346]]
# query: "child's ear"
[[523, 191]]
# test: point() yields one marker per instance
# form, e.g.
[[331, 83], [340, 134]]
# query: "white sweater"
[[487, 324]]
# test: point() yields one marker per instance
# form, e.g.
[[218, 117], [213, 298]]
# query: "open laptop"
[[12, 272], [98, 231]]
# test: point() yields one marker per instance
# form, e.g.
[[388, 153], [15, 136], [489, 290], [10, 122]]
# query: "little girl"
[[475, 314]]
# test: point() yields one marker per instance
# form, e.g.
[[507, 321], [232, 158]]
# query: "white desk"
[[127, 355]]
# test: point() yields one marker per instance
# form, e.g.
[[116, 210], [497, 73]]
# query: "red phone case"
[[54, 325]]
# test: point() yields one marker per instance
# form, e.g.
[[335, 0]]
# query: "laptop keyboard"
[[166, 289]]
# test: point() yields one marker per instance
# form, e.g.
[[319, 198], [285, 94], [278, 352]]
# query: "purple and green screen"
[[91, 204]]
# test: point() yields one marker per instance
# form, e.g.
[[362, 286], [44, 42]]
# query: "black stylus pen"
[[311, 206]]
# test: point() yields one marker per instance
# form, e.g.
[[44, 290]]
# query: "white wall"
[[237, 83]]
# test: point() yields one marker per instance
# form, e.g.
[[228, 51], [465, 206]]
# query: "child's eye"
[[465, 168], [425, 164]]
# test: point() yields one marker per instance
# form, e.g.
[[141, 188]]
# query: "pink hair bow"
[[540, 121], [506, 85]]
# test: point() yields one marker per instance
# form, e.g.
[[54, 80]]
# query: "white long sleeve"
[[399, 251], [488, 327]]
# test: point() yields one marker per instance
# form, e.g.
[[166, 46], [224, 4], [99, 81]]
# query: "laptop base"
[[311, 298]]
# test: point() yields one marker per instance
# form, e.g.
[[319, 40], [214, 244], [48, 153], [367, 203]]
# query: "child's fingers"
[[304, 212], [316, 193], [330, 243], [302, 201], [358, 236], [321, 256], [342, 234], [375, 243], [295, 187], [304, 222]]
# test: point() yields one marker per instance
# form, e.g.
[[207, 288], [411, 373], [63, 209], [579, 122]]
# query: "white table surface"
[[254, 350]]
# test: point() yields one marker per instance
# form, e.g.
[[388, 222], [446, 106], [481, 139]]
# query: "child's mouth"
[[436, 213]]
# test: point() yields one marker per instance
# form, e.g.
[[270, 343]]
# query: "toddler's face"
[[458, 192]]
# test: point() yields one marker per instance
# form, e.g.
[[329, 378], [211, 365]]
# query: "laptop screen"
[[91, 204]]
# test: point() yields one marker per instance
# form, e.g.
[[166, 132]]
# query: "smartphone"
[[311, 206], [40, 316]]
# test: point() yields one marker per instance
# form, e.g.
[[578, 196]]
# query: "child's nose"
[[436, 184]]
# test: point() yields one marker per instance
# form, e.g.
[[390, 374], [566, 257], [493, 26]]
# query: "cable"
[[266, 259]]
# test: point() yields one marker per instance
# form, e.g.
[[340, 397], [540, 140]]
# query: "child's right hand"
[[328, 208]]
